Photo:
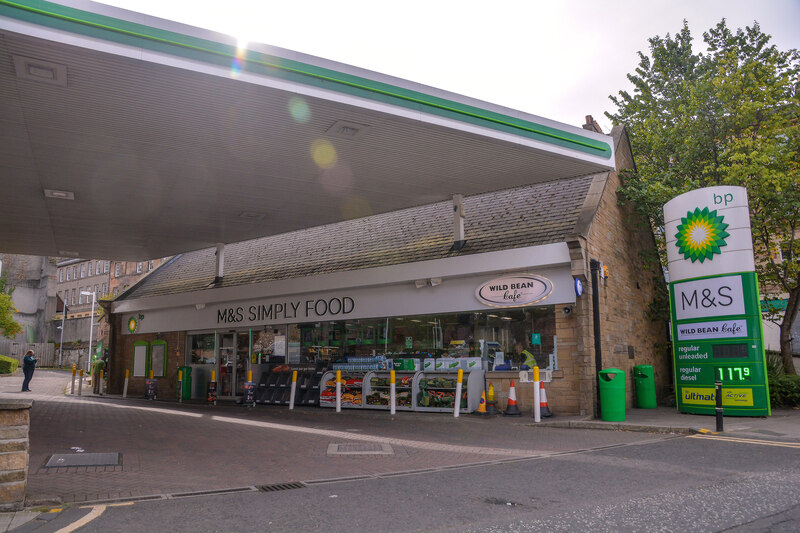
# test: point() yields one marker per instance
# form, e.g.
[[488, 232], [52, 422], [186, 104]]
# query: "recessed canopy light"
[[59, 195], [29, 68], [347, 130]]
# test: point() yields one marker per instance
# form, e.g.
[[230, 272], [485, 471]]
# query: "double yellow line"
[[794, 445]]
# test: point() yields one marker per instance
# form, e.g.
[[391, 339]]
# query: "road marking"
[[740, 440], [96, 511]]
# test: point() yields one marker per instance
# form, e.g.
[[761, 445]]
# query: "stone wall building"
[[397, 284]]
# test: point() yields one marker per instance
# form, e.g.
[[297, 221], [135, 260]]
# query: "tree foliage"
[[726, 116], [8, 326]]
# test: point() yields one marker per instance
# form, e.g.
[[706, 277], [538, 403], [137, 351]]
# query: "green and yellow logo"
[[133, 324], [701, 235]]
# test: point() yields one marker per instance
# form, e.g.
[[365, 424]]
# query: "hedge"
[[8, 365]]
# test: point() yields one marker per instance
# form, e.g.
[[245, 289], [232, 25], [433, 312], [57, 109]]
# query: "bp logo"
[[701, 235], [133, 324]]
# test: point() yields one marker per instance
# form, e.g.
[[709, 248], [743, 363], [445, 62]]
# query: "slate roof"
[[527, 216]]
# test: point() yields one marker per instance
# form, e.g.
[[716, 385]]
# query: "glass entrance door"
[[242, 360], [226, 369]]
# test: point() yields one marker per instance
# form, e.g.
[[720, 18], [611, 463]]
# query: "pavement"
[[169, 449]]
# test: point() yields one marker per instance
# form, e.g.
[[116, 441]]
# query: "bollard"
[[180, 386], [101, 383], [249, 375], [74, 370], [150, 374], [537, 401], [294, 388], [211, 396], [392, 392], [457, 403], [125, 386], [718, 409], [80, 384], [338, 391]]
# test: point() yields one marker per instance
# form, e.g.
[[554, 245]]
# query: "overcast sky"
[[557, 59]]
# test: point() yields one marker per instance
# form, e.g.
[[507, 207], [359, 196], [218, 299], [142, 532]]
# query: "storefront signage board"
[[716, 313], [514, 291], [398, 299]]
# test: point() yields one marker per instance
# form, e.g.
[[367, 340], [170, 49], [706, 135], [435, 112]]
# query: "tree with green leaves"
[[9, 327], [727, 116]]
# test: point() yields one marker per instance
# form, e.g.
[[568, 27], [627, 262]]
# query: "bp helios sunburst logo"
[[133, 324], [701, 234]]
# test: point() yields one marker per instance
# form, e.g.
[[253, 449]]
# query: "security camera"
[[567, 310]]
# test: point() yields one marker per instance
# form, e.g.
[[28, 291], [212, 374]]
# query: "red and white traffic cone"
[[512, 409], [543, 408]]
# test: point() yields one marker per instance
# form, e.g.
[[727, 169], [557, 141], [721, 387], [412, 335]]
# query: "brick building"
[[397, 283]]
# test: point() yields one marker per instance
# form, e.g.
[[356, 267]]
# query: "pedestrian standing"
[[28, 366]]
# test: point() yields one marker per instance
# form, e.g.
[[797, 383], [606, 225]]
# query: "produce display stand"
[[352, 389], [440, 387], [377, 386]]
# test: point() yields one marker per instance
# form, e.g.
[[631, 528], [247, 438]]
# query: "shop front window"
[[201, 349]]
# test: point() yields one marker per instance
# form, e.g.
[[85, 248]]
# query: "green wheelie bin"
[[612, 395], [645, 384], [186, 385]]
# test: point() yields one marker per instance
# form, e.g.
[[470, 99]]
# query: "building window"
[[75, 272], [80, 295], [104, 289], [91, 268], [95, 289], [73, 296], [60, 275], [68, 273], [105, 267], [116, 270], [116, 290], [83, 270], [151, 265], [139, 267]]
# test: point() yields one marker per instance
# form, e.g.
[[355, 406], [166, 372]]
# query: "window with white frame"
[[68, 270], [73, 296], [104, 288], [151, 265], [80, 295], [105, 267], [95, 289], [139, 267], [91, 268], [75, 272], [83, 270], [60, 275], [116, 270]]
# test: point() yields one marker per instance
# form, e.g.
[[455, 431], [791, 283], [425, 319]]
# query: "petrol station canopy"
[[131, 137]]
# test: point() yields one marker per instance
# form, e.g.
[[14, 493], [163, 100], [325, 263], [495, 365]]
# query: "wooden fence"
[[45, 351]]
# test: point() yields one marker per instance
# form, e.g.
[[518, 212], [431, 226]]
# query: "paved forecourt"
[[170, 448]]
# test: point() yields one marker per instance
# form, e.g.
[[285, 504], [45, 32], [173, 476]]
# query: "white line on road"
[[748, 441]]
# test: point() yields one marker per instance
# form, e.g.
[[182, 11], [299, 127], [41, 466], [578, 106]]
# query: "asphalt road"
[[671, 484]]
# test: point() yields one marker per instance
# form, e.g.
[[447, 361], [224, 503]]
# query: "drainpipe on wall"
[[458, 223], [220, 263], [598, 351]]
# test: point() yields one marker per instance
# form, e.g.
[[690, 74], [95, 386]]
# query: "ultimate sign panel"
[[716, 314]]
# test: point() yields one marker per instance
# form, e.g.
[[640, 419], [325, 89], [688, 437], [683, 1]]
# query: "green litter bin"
[[186, 386], [645, 384], [612, 395]]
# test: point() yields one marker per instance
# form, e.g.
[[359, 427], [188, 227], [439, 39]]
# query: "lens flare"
[[299, 110], [356, 207], [337, 180], [324, 154], [238, 59]]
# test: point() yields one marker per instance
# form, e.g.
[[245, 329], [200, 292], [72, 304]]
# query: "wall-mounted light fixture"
[[432, 282]]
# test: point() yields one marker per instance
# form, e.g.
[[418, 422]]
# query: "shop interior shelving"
[[378, 383], [352, 389], [442, 385]]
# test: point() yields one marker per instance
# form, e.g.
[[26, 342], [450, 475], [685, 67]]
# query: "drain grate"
[[282, 486], [63, 460], [360, 449]]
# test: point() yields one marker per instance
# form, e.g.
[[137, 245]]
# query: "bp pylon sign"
[[716, 313]]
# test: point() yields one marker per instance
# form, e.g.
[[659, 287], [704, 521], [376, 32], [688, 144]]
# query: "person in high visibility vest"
[[530, 360]]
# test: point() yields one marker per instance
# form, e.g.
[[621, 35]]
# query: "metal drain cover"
[[62, 460], [369, 448]]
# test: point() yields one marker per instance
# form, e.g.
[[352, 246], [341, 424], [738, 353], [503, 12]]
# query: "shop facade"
[[518, 294]]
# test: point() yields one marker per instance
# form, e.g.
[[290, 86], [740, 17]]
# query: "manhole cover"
[[61, 460], [360, 449]]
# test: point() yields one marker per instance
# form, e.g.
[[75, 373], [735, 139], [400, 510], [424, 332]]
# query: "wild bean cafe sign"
[[716, 312], [514, 291]]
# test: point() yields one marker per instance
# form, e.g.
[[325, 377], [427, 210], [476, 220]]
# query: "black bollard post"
[[718, 397]]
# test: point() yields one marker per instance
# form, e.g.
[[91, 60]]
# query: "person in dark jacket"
[[28, 366]]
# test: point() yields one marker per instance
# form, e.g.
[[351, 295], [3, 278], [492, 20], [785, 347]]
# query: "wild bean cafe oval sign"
[[514, 291]]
